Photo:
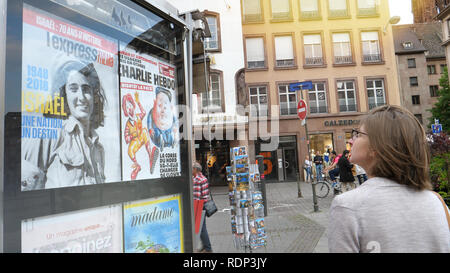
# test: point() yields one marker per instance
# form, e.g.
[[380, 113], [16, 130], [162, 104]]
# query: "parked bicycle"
[[323, 187]]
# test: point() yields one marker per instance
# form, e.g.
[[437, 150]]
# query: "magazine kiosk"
[[93, 157]]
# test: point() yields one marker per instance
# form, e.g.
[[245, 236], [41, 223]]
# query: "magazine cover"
[[70, 113], [154, 226], [96, 230], [150, 137]]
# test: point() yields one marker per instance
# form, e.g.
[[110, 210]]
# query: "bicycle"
[[323, 187]]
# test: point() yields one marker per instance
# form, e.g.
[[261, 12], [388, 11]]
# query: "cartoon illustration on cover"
[[135, 135], [162, 123]]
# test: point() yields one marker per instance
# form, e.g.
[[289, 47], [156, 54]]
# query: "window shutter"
[[312, 39], [280, 6], [284, 48], [341, 38], [255, 49], [337, 4], [369, 36], [252, 7], [309, 5]]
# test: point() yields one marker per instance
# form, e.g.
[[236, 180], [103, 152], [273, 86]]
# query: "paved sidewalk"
[[291, 225]]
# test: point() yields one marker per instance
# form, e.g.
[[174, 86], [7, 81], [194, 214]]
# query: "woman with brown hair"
[[395, 210]]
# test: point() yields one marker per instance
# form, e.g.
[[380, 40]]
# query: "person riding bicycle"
[[333, 169]]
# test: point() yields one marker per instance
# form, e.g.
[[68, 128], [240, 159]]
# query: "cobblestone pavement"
[[291, 225]]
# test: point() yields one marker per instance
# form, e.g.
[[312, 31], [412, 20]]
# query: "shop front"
[[331, 133], [281, 164], [93, 159]]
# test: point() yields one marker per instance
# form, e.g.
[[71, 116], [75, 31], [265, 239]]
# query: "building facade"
[[344, 47], [216, 124], [425, 11], [420, 62], [444, 17]]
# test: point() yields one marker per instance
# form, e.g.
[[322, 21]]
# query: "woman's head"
[[391, 143], [345, 153], [79, 85]]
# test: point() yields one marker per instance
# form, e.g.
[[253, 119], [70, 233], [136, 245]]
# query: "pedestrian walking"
[[395, 209], [345, 172], [308, 168], [318, 161], [201, 192]]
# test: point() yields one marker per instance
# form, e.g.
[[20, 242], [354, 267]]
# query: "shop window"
[[321, 143], [288, 100], [318, 99], [375, 93], [309, 9], [348, 136], [258, 101], [347, 96]]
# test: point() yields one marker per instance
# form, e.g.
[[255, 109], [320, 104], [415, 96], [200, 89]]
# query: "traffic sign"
[[301, 109], [300, 85], [436, 128]]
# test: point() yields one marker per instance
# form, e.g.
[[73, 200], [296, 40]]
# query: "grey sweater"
[[384, 216]]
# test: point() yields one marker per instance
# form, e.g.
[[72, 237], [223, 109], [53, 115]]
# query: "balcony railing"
[[256, 64], [318, 110], [285, 63], [343, 59], [253, 18], [373, 105], [286, 111], [347, 108], [368, 11], [372, 58], [309, 15], [261, 111], [338, 13], [282, 15], [314, 60]]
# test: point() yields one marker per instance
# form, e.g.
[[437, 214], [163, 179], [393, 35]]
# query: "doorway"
[[287, 159]]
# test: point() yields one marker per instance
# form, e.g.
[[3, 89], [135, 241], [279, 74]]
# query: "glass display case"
[[93, 155]]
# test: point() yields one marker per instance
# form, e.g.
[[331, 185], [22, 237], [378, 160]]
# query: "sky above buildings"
[[401, 8]]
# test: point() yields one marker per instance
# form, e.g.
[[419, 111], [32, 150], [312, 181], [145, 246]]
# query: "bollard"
[[316, 207], [299, 191]]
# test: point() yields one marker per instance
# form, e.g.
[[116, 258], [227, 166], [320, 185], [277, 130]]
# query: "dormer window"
[[407, 45]]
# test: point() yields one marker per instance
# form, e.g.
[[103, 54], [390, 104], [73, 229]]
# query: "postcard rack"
[[247, 207]]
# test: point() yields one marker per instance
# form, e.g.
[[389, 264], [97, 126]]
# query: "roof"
[[423, 38]]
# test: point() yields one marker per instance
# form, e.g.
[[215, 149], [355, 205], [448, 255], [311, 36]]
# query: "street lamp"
[[393, 21]]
